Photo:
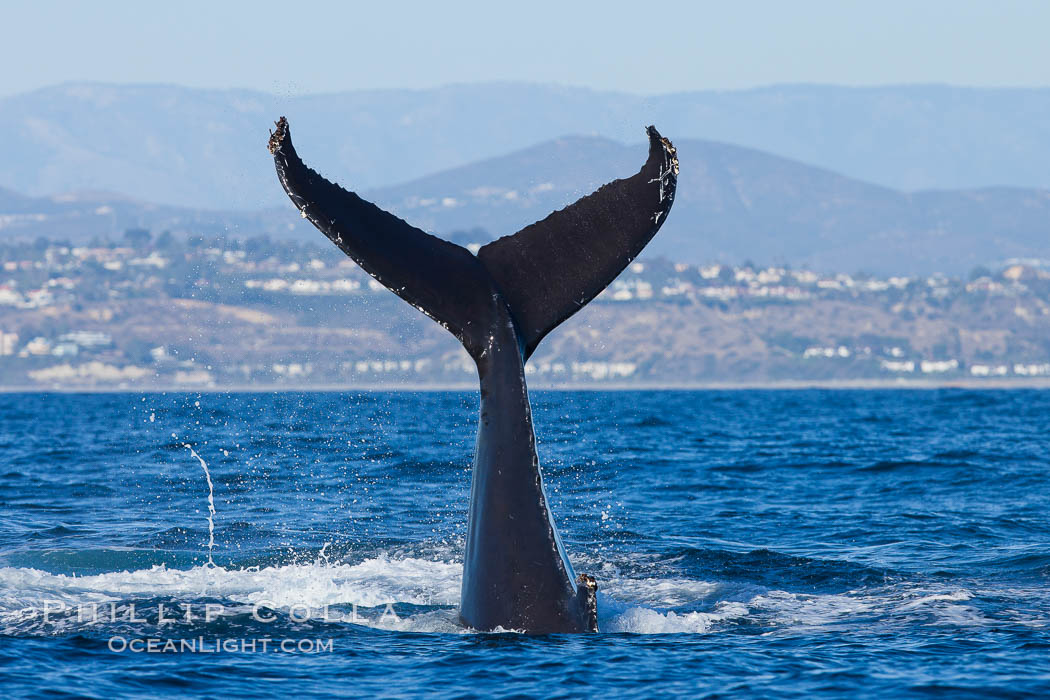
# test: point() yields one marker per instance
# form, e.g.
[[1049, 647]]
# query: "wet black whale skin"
[[500, 304]]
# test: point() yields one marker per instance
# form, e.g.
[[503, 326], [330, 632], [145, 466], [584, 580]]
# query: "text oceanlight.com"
[[206, 645]]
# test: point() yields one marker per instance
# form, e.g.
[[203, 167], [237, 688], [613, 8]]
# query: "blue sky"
[[641, 47]]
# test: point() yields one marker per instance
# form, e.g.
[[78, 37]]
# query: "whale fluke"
[[500, 304], [545, 272]]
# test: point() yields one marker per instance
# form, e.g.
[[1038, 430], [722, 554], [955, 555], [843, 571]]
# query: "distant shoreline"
[[859, 384]]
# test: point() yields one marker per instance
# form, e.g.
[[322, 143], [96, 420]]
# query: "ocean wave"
[[775, 569], [426, 595]]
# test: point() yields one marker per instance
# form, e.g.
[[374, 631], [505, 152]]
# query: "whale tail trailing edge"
[[544, 273]]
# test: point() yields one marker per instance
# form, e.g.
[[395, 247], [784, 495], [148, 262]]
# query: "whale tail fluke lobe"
[[550, 269], [544, 273], [441, 279]]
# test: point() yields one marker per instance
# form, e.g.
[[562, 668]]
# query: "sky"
[[304, 47]]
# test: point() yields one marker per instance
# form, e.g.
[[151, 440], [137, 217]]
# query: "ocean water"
[[746, 543]]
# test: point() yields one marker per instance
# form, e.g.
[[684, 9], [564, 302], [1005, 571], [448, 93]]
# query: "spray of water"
[[211, 503]]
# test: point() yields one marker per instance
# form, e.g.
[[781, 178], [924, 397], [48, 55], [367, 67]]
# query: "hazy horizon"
[[523, 82], [605, 46]]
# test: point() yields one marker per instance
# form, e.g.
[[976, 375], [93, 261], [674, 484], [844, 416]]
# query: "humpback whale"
[[500, 304]]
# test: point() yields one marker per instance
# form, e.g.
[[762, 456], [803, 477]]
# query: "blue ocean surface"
[[746, 543]]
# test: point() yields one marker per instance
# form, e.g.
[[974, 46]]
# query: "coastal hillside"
[[733, 205], [157, 312], [203, 148]]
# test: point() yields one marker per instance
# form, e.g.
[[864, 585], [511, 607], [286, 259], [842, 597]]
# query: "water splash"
[[322, 558], [634, 604], [211, 503]]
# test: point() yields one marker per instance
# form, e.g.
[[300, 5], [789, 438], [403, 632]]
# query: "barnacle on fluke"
[[277, 136]]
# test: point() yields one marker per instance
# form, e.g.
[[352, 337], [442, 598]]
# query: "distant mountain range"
[[733, 204], [205, 149]]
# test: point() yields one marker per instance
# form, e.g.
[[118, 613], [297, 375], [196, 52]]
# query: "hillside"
[[162, 313], [203, 148], [733, 204]]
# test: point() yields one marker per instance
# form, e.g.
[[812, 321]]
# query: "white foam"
[[370, 583], [639, 620], [649, 605], [806, 610], [796, 610], [666, 593], [927, 599]]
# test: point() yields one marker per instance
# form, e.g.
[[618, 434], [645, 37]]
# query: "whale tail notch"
[[544, 273]]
